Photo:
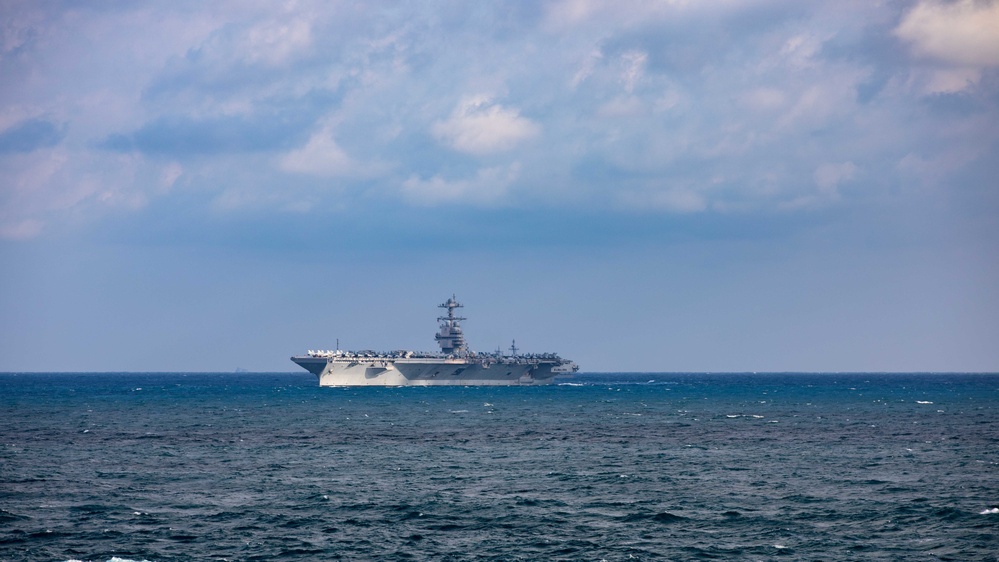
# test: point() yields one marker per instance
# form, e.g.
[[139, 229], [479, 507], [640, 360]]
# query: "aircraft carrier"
[[455, 364]]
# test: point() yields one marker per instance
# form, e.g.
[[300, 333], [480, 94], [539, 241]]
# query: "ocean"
[[651, 466]]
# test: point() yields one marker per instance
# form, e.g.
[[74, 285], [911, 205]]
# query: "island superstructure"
[[455, 364]]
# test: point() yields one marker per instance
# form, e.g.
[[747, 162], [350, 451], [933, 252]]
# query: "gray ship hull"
[[454, 365], [428, 371]]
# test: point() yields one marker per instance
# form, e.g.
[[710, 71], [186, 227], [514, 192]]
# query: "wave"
[[661, 517], [114, 559]]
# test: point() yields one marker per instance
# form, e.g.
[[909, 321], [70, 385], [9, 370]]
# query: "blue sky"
[[650, 186]]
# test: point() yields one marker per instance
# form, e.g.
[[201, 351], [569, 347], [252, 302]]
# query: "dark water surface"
[[164, 467]]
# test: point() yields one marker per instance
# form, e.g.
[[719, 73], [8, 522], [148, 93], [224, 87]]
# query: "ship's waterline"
[[454, 365]]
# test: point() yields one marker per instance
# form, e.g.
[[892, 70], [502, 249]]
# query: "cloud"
[[59, 189], [489, 187], [275, 42], [763, 99], [962, 33], [959, 39], [634, 62], [829, 176], [624, 106], [674, 107], [321, 156], [479, 126], [20, 230], [170, 174]]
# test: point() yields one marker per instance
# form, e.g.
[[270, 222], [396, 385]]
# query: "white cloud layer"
[[320, 156], [674, 107], [277, 42], [960, 39], [489, 186], [480, 126], [964, 33]]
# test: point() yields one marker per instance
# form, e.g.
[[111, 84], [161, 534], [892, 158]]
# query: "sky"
[[660, 186]]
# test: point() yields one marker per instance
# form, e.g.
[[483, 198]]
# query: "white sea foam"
[[458, 411], [990, 511], [117, 559]]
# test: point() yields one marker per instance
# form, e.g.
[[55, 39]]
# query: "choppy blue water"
[[164, 467]]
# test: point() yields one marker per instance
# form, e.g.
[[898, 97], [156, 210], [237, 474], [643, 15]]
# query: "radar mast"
[[450, 338]]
